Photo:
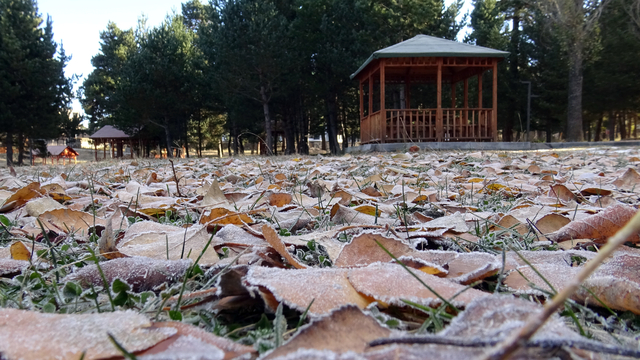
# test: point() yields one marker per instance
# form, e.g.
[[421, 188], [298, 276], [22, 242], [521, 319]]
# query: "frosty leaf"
[[70, 221], [629, 181], [33, 336], [36, 207], [214, 195], [598, 227], [153, 240], [363, 250], [329, 287], [391, 283], [344, 215], [551, 222], [10, 267], [562, 193], [274, 240], [193, 343], [140, 273], [280, 199], [22, 196], [222, 216], [344, 329]]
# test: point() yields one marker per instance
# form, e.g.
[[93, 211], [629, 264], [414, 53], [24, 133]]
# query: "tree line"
[[35, 95], [277, 71]]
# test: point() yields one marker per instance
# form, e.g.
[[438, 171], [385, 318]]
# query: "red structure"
[[386, 117]]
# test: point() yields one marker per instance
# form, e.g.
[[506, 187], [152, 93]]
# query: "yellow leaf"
[[19, 251], [367, 209], [273, 186], [476, 180], [280, 199]]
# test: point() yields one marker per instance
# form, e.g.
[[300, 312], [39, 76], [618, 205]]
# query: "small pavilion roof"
[[109, 132], [430, 46], [57, 150]]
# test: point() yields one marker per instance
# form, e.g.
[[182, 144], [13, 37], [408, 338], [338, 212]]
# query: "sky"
[[77, 25]]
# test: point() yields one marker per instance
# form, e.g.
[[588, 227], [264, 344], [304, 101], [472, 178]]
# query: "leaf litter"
[[372, 256]]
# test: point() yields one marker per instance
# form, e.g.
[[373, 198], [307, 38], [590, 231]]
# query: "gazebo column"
[[95, 149], [104, 150], [382, 121], [465, 100], [494, 112], [439, 129], [407, 92], [480, 124], [372, 126]]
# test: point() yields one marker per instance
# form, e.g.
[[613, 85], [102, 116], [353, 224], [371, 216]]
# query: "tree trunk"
[[574, 104], [167, 134], [303, 131], [612, 126], [507, 134], [623, 128], [267, 120], [598, 129], [324, 139], [9, 144], [332, 123], [549, 120], [199, 122], [290, 131], [20, 148]]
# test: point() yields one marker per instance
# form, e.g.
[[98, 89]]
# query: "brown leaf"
[[371, 191], [629, 181], [344, 215], [345, 329], [561, 193], [10, 267], [598, 227], [389, 283], [69, 221], [363, 250], [280, 199], [510, 222], [222, 216], [34, 336], [22, 196], [140, 273], [194, 343], [551, 222], [274, 240], [297, 288]]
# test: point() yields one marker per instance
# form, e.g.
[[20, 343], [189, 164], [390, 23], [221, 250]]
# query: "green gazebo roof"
[[430, 46]]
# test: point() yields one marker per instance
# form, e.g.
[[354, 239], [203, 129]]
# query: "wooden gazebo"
[[114, 137], [426, 60]]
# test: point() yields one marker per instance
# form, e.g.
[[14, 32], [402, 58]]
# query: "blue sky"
[[77, 24]]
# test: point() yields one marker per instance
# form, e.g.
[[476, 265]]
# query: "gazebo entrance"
[[426, 60]]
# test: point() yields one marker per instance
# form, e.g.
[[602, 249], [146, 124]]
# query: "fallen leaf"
[[345, 329], [280, 199], [140, 273], [329, 288], [20, 252], [363, 250], [551, 223], [34, 336], [598, 227], [274, 240], [391, 283], [70, 221]]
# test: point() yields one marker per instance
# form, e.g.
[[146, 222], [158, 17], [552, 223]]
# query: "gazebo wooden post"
[[95, 149], [439, 128], [480, 107], [466, 101], [372, 126], [383, 113], [407, 91], [104, 150], [494, 112], [361, 101]]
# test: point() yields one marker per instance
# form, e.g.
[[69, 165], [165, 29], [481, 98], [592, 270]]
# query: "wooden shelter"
[[112, 136], [56, 152], [426, 60]]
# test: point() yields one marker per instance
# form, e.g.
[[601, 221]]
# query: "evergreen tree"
[[34, 93]]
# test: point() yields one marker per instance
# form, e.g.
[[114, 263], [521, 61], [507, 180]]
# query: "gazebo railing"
[[404, 125]]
